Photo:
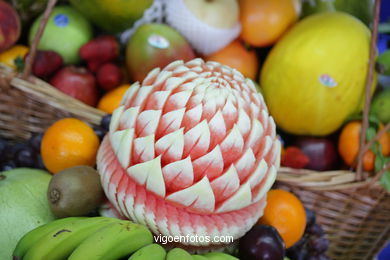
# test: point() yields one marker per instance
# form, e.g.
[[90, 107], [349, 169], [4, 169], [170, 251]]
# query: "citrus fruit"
[[112, 99], [9, 56], [309, 82], [236, 56], [349, 146], [69, 142], [264, 22], [192, 144], [286, 213]]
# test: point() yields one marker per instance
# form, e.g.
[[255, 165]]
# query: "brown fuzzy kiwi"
[[75, 191]]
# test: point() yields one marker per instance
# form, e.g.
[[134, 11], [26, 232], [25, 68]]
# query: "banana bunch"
[[98, 238], [82, 238]]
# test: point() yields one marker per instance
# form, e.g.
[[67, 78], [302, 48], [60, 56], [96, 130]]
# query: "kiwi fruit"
[[75, 191]]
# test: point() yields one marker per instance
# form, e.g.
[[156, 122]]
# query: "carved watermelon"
[[191, 151]]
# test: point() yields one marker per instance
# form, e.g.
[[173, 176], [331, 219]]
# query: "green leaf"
[[371, 132], [385, 181], [380, 161], [19, 62], [384, 63]]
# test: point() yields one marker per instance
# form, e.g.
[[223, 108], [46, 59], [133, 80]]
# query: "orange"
[[9, 56], [349, 146], [285, 212], [69, 142], [235, 55], [112, 99], [264, 22]]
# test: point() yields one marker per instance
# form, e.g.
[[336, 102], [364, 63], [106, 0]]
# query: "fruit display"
[[23, 205], [126, 125]]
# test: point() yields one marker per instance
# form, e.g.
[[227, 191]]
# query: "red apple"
[[321, 151], [76, 82], [10, 26]]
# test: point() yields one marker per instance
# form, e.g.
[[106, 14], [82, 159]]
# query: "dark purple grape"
[[323, 257], [8, 165], [300, 254], [12, 149], [105, 123], [315, 230], [318, 244], [35, 141], [100, 132], [310, 217], [294, 251], [3, 145], [39, 163], [25, 157], [262, 242]]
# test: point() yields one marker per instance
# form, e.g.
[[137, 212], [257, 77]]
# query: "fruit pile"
[[202, 107]]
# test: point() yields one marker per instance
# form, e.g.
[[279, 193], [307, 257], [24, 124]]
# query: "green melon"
[[314, 77], [23, 205]]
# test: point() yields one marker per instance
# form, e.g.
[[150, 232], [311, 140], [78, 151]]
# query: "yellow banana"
[[114, 241], [60, 243], [153, 251], [178, 254], [29, 239]]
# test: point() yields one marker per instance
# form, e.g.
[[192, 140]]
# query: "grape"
[[105, 123], [8, 165], [317, 257], [310, 217], [316, 230], [318, 244], [11, 150], [39, 163], [25, 157], [35, 141], [100, 132], [262, 242]]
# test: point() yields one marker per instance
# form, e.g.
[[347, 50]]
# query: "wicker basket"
[[354, 214]]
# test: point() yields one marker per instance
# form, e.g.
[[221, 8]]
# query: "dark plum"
[[321, 151], [25, 157], [105, 123], [262, 242], [35, 141]]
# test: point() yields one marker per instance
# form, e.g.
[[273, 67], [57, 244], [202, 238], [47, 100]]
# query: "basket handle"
[[367, 96], [34, 46]]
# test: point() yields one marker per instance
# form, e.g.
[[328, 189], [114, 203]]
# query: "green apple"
[[381, 106], [24, 205], [66, 31]]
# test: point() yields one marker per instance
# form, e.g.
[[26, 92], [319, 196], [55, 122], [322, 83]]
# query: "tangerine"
[[112, 99], [69, 142], [286, 213], [264, 21], [237, 56], [348, 146]]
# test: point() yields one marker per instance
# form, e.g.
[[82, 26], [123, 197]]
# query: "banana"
[[178, 254], [219, 256], [60, 243], [29, 239], [114, 241], [153, 251], [199, 257]]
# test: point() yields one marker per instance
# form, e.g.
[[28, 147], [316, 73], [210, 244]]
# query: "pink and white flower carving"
[[192, 150]]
